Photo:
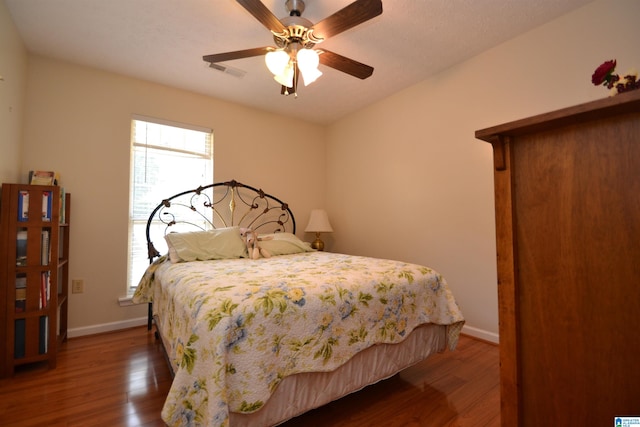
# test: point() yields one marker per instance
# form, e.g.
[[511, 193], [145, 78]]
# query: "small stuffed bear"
[[252, 240]]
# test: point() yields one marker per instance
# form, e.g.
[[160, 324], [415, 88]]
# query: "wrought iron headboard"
[[223, 204]]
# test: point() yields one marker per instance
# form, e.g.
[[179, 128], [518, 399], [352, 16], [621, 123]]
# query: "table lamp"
[[318, 223]]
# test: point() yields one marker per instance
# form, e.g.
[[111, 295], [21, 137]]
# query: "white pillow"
[[284, 244], [220, 243]]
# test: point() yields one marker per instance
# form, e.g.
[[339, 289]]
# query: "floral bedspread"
[[235, 328]]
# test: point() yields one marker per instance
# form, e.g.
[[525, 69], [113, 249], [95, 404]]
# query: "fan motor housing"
[[297, 30], [295, 7]]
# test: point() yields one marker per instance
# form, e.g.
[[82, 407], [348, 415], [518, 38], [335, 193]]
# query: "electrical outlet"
[[77, 286]]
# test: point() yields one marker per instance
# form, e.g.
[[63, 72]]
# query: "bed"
[[255, 342]]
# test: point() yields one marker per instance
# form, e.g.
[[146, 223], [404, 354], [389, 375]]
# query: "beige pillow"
[[284, 244], [220, 243]]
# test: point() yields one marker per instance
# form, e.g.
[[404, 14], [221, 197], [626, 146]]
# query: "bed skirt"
[[314, 389]]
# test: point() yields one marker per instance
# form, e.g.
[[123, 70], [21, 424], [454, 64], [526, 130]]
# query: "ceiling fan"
[[296, 37]]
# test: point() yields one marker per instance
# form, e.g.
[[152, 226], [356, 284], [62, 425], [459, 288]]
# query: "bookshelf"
[[34, 274]]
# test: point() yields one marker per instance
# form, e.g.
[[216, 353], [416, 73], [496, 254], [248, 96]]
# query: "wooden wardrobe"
[[567, 199]]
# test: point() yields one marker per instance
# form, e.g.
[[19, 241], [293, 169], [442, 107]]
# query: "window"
[[166, 158]]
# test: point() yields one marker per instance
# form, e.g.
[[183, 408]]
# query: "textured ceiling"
[[164, 40]]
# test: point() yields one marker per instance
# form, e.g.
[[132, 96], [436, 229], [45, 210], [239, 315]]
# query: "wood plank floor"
[[121, 379]]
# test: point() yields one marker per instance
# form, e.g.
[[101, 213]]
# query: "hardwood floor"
[[121, 379]]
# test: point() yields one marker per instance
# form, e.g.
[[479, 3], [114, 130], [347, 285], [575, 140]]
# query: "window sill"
[[126, 301]]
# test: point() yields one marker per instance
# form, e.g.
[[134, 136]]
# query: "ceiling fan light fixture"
[[308, 61], [295, 37], [277, 61], [285, 78], [308, 58], [310, 76]]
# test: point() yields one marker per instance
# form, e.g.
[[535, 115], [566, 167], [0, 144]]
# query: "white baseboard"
[[481, 334], [106, 327]]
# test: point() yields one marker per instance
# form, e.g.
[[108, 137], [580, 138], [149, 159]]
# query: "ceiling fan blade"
[[356, 13], [262, 14], [344, 64], [238, 54]]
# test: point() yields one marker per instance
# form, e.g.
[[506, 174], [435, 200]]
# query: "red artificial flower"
[[603, 72]]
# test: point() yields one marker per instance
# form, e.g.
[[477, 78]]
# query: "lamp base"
[[318, 244]]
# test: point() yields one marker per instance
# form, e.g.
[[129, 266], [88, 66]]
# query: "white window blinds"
[[166, 158]]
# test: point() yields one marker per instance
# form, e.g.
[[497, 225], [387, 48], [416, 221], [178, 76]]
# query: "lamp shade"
[[286, 77], [318, 222], [308, 61], [311, 75], [276, 61], [308, 58]]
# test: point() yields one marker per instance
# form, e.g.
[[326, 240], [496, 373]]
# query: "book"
[[21, 304], [45, 255], [44, 334], [43, 178], [19, 339], [21, 248], [45, 289], [62, 204], [47, 205], [21, 294], [23, 205]]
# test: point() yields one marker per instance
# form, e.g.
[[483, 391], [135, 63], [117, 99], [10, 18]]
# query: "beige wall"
[[408, 180], [78, 123], [13, 69]]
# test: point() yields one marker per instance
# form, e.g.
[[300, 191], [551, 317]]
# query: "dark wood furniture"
[[567, 197], [34, 274]]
